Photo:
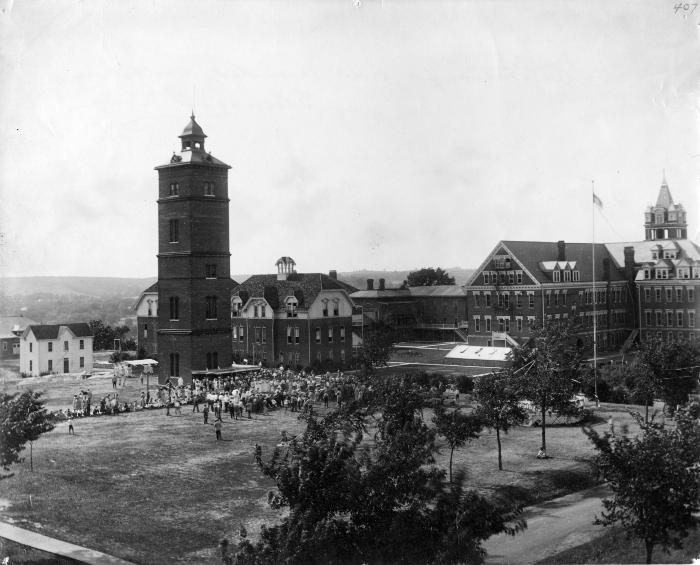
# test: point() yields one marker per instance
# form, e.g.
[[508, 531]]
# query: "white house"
[[55, 348]]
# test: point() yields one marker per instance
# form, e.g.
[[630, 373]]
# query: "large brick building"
[[194, 280], [522, 281], [292, 319], [665, 268]]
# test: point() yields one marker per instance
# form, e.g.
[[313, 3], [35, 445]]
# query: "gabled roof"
[[530, 253], [304, 286], [51, 331], [12, 326]]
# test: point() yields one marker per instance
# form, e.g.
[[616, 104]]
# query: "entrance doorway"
[[66, 365]]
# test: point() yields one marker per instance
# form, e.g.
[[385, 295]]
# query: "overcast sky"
[[382, 135]]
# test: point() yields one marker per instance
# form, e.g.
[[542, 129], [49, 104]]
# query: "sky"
[[361, 133]]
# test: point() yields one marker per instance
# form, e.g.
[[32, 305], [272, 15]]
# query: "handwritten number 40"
[[685, 7]]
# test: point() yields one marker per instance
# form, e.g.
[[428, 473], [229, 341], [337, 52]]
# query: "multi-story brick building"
[[428, 312], [665, 269], [292, 319], [194, 280], [522, 281]]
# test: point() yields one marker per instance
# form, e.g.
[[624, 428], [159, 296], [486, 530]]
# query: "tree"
[[499, 405], [427, 276], [384, 501], [543, 369], [654, 478], [378, 340], [457, 428], [23, 419], [664, 370]]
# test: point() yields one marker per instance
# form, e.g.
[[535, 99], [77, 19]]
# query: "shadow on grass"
[[544, 485]]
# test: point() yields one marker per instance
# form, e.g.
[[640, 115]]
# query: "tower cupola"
[[193, 136]]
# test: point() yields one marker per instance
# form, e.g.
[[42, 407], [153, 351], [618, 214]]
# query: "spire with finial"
[[665, 200]]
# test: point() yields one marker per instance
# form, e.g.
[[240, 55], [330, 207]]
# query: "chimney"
[[381, 284], [561, 250], [370, 284], [333, 274], [629, 263]]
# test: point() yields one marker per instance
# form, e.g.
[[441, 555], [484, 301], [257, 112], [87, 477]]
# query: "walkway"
[[58, 547], [552, 527]]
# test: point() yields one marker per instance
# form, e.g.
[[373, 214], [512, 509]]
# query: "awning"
[[140, 362]]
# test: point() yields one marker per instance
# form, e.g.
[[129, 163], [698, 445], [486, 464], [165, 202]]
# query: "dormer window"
[[174, 189], [567, 276], [292, 304], [336, 308], [660, 218], [654, 254], [661, 273], [556, 276], [669, 254], [236, 305]]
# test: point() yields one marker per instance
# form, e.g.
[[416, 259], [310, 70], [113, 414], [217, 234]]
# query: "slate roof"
[[439, 290], [642, 250], [304, 286], [193, 128], [388, 293], [50, 331], [530, 253], [665, 200], [11, 324]]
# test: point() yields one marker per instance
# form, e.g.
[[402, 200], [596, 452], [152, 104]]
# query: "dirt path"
[[552, 527]]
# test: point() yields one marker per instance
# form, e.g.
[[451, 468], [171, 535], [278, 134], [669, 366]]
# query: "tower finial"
[[663, 177]]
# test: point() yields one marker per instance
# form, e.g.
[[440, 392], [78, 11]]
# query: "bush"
[[464, 383]]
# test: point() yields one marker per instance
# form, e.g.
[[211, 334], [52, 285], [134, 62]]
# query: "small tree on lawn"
[[543, 368], [654, 478], [457, 428], [376, 348], [23, 419], [499, 405]]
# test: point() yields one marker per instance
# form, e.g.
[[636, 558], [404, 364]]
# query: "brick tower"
[[194, 279]]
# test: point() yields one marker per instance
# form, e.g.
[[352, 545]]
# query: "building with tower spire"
[[194, 277], [665, 220]]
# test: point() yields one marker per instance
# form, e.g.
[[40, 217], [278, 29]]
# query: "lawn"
[[615, 547], [154, 489]]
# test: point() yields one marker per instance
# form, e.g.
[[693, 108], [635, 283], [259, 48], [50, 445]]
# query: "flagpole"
[[595, 314]]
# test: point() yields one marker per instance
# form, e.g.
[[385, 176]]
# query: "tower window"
[[209, 189], [174, 364], [174, 231], [211, 308], [174, 189], [212, 360], [174, 308], [210, 270]]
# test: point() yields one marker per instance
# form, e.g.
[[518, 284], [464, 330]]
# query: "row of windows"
[[209, 189], [293, 334], [669, 318], [671, 294], [510, 277], [665, 273], [49, 365], [210, 307], [673, 336], [503, 300], [66, 345]]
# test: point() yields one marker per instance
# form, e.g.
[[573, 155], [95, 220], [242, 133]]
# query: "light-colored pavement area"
[[58, 547], [552, 527]]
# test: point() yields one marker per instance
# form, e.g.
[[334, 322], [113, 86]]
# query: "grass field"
[[615, 547], [155, 489]]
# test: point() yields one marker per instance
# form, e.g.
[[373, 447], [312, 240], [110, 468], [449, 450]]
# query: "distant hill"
[[97, 287], [394, 279], [115, 287]]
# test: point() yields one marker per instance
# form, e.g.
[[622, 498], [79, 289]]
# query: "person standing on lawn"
[[205, 412], [217, 427]]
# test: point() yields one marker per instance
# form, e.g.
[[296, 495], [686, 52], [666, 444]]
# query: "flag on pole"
[[597, 201]]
